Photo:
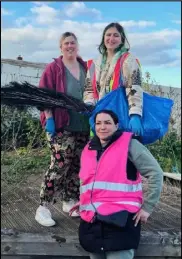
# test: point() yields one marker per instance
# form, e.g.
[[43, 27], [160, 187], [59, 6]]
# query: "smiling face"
[[69, 47], [112, 38], [105, 126]]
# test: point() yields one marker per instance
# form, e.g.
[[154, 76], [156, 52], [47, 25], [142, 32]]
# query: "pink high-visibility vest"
[[104, 186]]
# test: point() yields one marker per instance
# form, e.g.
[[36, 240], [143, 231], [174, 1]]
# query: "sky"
[[33, 29]]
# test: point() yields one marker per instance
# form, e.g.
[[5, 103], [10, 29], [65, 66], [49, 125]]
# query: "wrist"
[[89, 103], [50, 119], [48, 114], [135, 115], [148, 208]]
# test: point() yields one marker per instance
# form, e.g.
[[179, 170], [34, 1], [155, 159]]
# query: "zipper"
[[95, 214], [98, 163]]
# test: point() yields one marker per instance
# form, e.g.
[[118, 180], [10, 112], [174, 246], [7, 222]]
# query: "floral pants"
[[61, 179]]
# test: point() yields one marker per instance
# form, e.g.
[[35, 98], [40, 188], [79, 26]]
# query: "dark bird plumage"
[[25, 94]]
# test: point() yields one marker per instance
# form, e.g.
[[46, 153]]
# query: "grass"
[[19, 164]]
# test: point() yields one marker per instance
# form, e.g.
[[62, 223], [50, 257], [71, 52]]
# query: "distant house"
[[20, 70]]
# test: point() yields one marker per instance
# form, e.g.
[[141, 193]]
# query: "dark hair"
[[102, 48], [65, 35], [111, 113]]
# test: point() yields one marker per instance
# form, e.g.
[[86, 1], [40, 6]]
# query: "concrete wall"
[[15, 70]]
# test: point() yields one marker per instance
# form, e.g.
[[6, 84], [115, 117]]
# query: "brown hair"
[[65, 35], [109, 112], [102, 48]]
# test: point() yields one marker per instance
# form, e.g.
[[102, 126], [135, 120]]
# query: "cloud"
[[22, 21], [45, 14], [39, 3], [41, 14], [176, 21], [5, 12], [155, 48], [79, 8], [141, 24], [36, 37], [23, 34]]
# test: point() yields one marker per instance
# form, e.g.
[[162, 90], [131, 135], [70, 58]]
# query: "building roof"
[[22, 63]]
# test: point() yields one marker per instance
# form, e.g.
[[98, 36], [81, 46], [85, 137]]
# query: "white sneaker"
[[43, 217], [68, 205], [75, 214]]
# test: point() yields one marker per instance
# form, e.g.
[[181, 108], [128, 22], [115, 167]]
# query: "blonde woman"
[[67, 132]]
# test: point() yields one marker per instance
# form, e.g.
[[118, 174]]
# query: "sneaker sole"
[[75, 215], [44, 225]]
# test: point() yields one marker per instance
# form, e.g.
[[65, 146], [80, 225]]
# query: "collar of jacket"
[[96, 145], [60, 64]]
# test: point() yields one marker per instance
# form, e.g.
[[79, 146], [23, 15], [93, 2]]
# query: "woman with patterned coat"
[[113, 47]]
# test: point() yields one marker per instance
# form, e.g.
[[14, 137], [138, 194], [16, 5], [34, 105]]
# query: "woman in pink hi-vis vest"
[[111, 204]]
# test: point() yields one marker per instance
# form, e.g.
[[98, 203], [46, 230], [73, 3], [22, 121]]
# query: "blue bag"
[[155, 119]]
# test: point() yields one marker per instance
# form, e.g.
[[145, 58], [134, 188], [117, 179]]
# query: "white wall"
[[11, 72]]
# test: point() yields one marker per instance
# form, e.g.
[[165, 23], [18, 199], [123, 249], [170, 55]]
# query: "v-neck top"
[[78, 122]]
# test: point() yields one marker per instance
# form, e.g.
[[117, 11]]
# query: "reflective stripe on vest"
[[108, 186], [95, 205]]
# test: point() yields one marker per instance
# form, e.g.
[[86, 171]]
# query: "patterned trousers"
[[61, 179]]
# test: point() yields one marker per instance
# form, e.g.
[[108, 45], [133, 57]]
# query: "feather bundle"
[[25, 94]]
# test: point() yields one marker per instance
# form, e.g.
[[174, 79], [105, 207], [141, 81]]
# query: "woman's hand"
[[141, 215], [50, 126], [75, 208], [135, 124]]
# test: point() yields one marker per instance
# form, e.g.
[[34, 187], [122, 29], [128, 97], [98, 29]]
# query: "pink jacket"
[[53, 77], [104, 185]]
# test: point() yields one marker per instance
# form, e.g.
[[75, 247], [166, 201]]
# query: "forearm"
[[135, 99], [133, 82], [149, 168], [48, 113], [88, 96], [154, 174], [47, 81]]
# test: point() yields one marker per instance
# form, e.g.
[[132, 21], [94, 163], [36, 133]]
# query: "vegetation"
[[25, 151], [167, 150]]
